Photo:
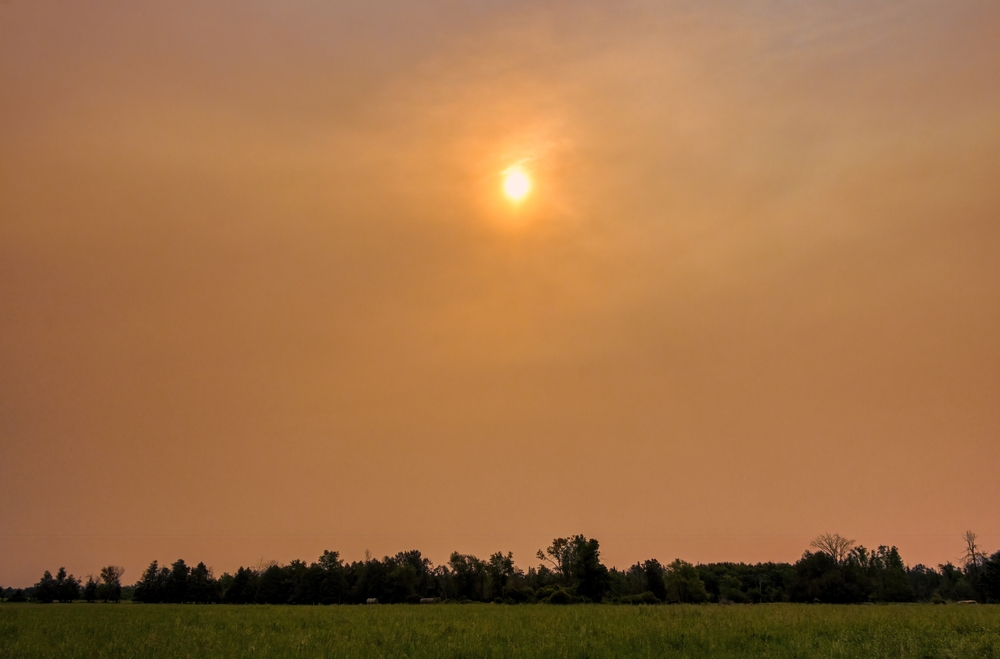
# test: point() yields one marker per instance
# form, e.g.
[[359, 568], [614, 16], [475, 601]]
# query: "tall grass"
[[482, 630]]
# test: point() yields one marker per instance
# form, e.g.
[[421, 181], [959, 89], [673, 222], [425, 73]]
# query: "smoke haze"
[[260, 294]]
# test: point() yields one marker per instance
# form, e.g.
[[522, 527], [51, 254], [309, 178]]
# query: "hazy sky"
[[261, 295]]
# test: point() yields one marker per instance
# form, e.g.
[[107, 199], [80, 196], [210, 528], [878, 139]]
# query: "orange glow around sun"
[[516, 184]]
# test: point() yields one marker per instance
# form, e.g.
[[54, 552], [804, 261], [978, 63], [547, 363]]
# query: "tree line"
[[834, 570]]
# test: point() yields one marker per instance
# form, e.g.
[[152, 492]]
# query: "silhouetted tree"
[[152, 587], [333, 588], [740, 582], [571, 571], [500, 571], [833, 545], [177, 582], [110, 589], [468, 576], [954, 584], [885, 578], [654, 574], [90, 589], [243, 588], [558, 555], [45, 590], [576, 562], [202, 587], [370, 580], [973, 557], [818, 577], [67, 587], [272, 587], [973, 561], [588, 575], [991, 578], [683, 584]]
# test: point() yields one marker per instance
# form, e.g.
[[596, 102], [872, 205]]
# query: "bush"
[[518, 593], [559, 597], [643, 598]]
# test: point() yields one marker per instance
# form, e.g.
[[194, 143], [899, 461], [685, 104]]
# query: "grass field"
[[482, 630]]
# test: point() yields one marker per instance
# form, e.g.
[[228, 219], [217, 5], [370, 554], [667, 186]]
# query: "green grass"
[[483, 630]]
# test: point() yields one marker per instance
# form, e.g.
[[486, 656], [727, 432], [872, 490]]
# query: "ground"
[[482, 630]]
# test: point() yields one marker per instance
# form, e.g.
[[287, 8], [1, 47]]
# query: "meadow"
[[482, 630]]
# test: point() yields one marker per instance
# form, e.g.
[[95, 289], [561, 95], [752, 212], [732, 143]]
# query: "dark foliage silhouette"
[[570, 571]]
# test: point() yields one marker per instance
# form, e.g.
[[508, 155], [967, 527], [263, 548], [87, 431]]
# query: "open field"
[[780, 630]]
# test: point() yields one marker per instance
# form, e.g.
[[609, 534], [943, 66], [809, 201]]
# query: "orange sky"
[[260, 294]]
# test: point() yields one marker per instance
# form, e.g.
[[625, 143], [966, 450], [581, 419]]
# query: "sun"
[[516, 184]]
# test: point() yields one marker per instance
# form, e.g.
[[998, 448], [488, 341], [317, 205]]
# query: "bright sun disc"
[[516, 185]]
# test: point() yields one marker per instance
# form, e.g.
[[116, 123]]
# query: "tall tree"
[[653, 574], [330, 560], [991, 578], [833, 545], [589, 576], [684, 584], [274, 586], [202, 588], [888, 577], [973, 557], [558, 556], [819, 577], [369, 579], [45, 590], [177, 582], [67, 586], [955, 583], [243, 589], [577, 563], [334, 583], [500, 570], [90, 589], [151, 588], [111, 583], [468, 576]]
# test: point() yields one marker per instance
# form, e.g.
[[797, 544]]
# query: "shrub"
[[643, 598]]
